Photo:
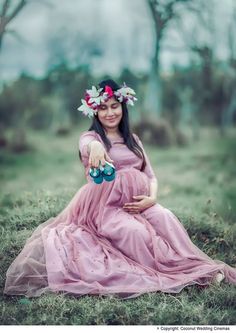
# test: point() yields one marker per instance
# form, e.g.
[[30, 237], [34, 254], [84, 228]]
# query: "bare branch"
[[5, 7], [18, 8], [5, 18], [17, 35], [162, 14]]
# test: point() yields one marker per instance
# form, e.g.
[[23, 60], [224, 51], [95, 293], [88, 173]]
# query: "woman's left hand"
[[143, 202]]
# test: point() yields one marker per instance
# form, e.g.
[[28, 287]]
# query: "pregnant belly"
[[128, 183]]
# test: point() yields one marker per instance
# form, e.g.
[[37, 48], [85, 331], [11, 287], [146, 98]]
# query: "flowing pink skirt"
[[94, 247]]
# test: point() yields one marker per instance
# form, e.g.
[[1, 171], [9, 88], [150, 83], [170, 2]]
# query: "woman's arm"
[[97, 154], [153, 189], [142, 202], [149, 172], [90, 144]]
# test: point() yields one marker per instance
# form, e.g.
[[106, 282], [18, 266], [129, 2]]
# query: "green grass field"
[[196, 182]]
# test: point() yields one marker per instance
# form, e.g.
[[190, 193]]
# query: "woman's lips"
[[111, 119]]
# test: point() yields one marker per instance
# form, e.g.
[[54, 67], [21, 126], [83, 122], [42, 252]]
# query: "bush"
[[159, 132]]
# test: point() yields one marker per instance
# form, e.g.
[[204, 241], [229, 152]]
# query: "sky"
[[123, 29]]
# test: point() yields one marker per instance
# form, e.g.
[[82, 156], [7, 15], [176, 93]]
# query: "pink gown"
[[95, 247]]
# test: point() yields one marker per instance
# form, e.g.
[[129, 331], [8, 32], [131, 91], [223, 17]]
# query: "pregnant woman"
[[113, 237]]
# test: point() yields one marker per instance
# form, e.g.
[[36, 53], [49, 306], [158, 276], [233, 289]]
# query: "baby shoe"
[[108, 172], [96, 174]]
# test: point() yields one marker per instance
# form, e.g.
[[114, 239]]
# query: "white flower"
[[124, 91], [94, 92], [120, 98], [127, 94], [104, 97], [130, 102], [87, 111], [94, 95]]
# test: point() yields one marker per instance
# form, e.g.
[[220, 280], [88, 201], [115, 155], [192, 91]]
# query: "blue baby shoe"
[[96, 174], [108, 172]]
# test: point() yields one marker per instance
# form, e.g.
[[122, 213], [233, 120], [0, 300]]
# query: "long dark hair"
[[123, 126]]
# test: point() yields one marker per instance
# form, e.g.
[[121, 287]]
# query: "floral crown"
[[94, 97]]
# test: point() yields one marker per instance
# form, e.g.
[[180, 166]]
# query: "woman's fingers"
[[133, 211], [131, 205], [103, 161], [96, 161], [131, 208], [97, 154], [108, 158]]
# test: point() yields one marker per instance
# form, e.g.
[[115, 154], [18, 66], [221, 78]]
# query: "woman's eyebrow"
[[106, 105]]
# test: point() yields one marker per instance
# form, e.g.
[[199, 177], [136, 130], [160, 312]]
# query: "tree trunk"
[[153, 103], [227, 114]]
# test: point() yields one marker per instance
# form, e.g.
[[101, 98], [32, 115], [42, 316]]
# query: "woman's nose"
[[109, 111]]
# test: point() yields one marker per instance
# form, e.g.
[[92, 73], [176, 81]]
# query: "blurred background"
[[178, 55]]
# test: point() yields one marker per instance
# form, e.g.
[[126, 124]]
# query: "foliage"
[[52, 102]]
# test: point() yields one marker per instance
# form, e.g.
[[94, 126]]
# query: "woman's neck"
[[112, 133]]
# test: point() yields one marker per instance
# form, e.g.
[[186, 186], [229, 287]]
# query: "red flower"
[[87, 97], [109, 91]]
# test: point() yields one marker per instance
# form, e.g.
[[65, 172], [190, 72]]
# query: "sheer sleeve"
[[84, 140], [148, 170]]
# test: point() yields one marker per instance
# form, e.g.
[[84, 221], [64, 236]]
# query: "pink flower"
[[109, 91], [87, 98], [92, 105]]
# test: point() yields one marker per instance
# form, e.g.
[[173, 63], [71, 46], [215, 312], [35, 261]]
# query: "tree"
[[162, 11], [7, 15], [230, 80]]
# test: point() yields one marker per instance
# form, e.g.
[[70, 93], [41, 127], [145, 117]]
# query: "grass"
[[196, 182]]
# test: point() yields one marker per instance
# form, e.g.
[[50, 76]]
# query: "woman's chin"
[[112, 125]]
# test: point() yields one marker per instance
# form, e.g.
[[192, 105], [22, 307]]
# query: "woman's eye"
[[103, 107]]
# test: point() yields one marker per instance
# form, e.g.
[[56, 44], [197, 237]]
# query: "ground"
[[196, 182]]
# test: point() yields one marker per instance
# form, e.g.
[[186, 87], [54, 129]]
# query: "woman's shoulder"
[[86, 137], [138, 140], [88, 133], [136, 136]]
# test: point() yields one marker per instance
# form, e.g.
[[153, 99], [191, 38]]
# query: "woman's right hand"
[[98, 154]]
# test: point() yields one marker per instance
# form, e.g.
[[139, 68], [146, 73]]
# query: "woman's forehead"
[[110, 101]]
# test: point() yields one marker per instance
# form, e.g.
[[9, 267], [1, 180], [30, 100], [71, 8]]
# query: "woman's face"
[[110, 113]]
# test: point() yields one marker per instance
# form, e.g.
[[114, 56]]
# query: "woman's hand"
[[98, 155], [143, 202]]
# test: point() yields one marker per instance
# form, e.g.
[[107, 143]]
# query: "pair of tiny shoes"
[[106, 172], [218, 278]]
